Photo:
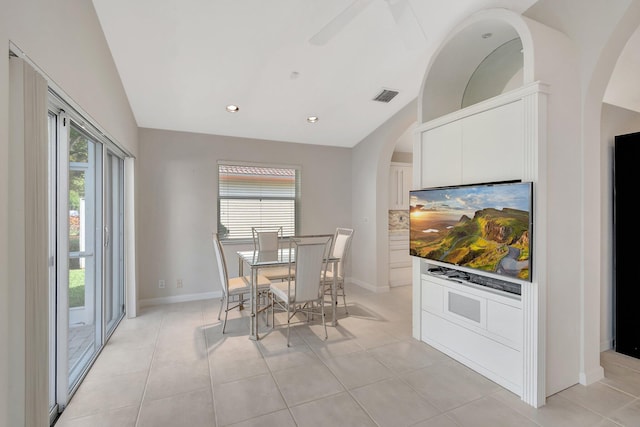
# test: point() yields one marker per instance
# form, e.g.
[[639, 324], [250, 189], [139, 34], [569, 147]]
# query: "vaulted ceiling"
[[281, 61]]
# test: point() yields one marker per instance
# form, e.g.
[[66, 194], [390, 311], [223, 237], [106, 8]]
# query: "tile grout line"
[[273, 378], [206, 344], [605, 416], [343, 385], [153, 356]]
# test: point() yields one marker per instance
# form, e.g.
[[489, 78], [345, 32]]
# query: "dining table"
[[256, 259]]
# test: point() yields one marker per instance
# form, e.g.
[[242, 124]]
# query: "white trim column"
[[534, 295], [131, 287]]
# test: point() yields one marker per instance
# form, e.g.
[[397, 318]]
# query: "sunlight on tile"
[[173, 366]]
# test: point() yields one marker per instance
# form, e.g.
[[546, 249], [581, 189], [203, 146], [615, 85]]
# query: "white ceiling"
[[182, 61]]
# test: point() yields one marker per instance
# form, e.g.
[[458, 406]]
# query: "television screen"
[[485, 227]]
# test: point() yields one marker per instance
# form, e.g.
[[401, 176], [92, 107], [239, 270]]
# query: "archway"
[[598, 189]]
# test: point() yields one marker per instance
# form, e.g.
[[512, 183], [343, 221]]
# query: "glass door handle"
[[80, 254], [107, 236]]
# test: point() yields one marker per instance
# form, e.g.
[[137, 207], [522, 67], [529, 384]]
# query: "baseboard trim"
[[588, 378], [218, 294], [369, 286], [606, 345], [180, 298]]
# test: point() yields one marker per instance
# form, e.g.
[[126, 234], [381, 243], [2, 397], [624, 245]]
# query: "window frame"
[[296, 199]]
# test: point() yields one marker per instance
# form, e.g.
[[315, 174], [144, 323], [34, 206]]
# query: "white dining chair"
[[236, 289], [340, 249], [304, 293], [267, 239]]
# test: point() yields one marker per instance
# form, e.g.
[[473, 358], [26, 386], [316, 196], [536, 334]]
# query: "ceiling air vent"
[[386, 95]]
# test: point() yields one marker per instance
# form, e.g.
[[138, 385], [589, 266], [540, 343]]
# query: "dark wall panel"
[[627, 244]]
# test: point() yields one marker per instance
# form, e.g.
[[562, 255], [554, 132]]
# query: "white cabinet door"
[[483, 147], [492, 144], [407, 180], [441, 156], [399, 186], [400, 263]]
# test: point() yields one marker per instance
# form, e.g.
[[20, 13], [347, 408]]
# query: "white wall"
[[64, 39], [4, 228], [370, 181], [556, 63], [599, 32], [615, 121], [178, 187]]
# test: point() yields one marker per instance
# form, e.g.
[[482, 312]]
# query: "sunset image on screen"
[[485, 227]]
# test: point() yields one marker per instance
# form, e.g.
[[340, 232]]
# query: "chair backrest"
[[266, 239], [341, 245], [222, 264], [311, 266]]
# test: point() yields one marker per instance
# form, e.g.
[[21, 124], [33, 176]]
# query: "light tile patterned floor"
[[172, 366]]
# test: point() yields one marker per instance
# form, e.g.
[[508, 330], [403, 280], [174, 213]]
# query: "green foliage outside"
[[74, 246], [74, 199], [78, 152], [76, 288]]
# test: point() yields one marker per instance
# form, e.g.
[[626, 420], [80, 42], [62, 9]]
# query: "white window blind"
[[255, 196]]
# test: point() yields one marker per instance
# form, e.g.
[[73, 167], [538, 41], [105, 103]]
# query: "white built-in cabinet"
[[451, 152], [493, 332], [478, 326], [399, 186], [400, 262]]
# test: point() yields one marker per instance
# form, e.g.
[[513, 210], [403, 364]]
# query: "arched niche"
[[499, 72], [490, 54]]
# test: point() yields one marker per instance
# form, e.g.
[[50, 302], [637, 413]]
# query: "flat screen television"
[[481, 227]]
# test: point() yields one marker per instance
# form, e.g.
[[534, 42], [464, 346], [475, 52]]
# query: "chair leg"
[[288, 325], [265, 297], [309, 312], [221, 303], [323, 322], [226, 312], [344, 299], [273, 310]]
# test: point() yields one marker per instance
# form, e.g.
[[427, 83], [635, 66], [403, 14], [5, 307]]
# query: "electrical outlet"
[[179, 283], [161, 284]]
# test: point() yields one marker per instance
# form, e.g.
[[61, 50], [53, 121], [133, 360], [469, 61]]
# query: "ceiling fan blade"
[[336, 25], [407, 23]]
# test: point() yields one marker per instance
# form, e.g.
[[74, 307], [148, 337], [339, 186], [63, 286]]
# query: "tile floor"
[[171, 366]]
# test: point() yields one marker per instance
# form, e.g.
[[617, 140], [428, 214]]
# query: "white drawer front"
[[497, 362], [432, 297], [505, 321]]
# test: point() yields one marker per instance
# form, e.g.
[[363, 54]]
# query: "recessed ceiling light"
[[487, 35], [312, 119], [233, 108]]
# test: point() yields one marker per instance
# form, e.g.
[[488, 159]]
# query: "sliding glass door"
[[84, 268], [87, 251], [113, 241]]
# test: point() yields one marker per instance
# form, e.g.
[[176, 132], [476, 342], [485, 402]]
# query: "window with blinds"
[[256, 196]]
